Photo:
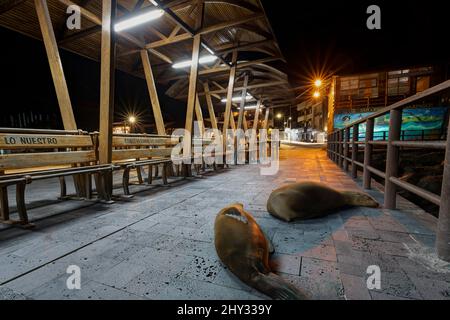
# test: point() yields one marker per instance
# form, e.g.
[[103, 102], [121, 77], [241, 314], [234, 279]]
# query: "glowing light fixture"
[[279, 116], [138, 20], [237, 99], [132, 119], [316, 94], [187, 63], [318, 83], [253, 107]]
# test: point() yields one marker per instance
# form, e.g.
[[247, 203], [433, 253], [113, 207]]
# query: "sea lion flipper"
[[275, 287]]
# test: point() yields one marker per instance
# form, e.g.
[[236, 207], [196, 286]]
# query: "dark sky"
[[332, 35], [315, 36]]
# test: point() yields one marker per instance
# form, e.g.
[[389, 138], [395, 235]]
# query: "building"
[[355, 96]]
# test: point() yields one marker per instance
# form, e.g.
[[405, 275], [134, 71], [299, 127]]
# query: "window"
[[422, 83], [398, 82], [349, 86], [360, 87]]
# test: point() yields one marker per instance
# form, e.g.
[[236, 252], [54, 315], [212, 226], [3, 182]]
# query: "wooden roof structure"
[[227, 26]]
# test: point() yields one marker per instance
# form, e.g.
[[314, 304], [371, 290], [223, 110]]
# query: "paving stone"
[[285, 263], [202, 269], [355, 288], [319, 269], [9, 294]]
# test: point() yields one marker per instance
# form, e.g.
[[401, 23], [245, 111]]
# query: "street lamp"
[[318, 83]]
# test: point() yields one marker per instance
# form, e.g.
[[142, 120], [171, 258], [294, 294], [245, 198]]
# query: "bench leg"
[[21, 208], [63, 188], [139, 175], [156, 172], [126, 181], [4, 206], [177, 168], [89, 186], [150, 175], [164, 174]]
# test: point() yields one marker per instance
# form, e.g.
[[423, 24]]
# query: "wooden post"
[[232, 122], [242, 107], [355, 149], [230, 91], [153, 93], [390, 190], [54, 60], [209, 102], [367, 176], [443, 229], [199, 115], [107, 70], [244, 122], [266, 119], [341, 148], [346, 148], [192, 94], [258, 110]]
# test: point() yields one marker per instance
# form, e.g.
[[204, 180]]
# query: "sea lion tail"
[[275, 287], [359, 199]]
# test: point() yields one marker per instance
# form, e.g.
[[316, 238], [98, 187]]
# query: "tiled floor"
[[159, 245]]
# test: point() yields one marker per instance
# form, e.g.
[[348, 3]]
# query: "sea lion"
[[242, 246], [307, 200]]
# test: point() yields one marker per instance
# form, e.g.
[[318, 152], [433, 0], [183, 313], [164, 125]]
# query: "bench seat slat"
[[143, 141], [42, 141], [128, 154], [30, 160]]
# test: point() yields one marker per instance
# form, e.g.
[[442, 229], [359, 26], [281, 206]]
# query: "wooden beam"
[[230, 91], [192, 94], [224, 49], [266, 119], [223, 68], [153, 93], [203, 31], [243, 100], [80, 34], [6, 5], [244, 123], [250, 87], [257, 112], [59, 80], [199, 116], [210, 104], [107, 82]]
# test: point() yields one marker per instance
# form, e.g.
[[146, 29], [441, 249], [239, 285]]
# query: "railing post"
[[390, 190], [355, 150], [341, 148], [346, 148], [443, 229], [333, 146], [367, 177]]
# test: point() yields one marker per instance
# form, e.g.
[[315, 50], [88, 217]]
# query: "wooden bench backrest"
[[136, 146], [29, 150]]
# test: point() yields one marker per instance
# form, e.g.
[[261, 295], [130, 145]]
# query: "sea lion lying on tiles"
[[244, 249], [308, 200]]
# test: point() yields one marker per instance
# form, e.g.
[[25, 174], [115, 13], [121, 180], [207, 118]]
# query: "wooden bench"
[[28, 155], [134, 151]]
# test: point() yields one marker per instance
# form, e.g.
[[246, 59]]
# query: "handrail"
[[339, 148], [41, 131]]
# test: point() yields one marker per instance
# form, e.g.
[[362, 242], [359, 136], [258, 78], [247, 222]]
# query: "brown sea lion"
[[307, 200], [244, 249]]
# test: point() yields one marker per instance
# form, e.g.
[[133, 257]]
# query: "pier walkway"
[[159, 245]]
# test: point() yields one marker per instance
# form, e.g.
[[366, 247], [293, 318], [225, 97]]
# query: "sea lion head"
[[359, 199]]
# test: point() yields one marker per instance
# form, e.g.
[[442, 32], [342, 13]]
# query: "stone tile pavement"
[[159, 245]]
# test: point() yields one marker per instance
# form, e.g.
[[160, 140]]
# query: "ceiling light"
[[187, 63], [138, 19], [238, 99]]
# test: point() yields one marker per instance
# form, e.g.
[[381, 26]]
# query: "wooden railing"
[[343, 148]]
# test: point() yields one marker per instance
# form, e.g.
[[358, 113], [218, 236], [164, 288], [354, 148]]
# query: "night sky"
[[315, 36], [331, 36]]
